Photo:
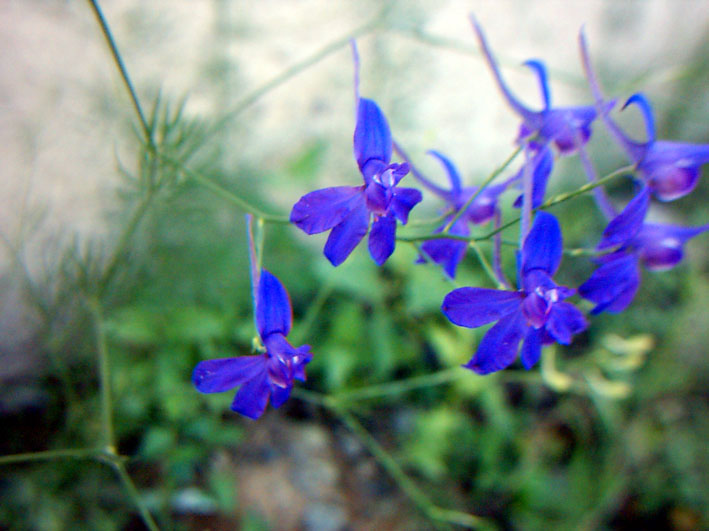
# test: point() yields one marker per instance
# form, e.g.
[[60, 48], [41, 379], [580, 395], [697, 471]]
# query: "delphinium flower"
[[348, 210], [269, 375], [448, 253], [535, 314], [670, 169], [567, 128], [634, 242]]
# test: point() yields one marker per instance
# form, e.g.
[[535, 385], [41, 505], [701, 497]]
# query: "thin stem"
[[437, 514], [602, 200], [486, 265], [71, 453], [104, 377], [560, 198], [133, 493], [291, 72], [106, 30], [223, 193], [424, 503], [480, 189], [497, 253]]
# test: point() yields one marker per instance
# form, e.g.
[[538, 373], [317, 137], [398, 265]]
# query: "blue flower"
[[567, 127], [269, 375], [534, 315], [670, 169], [449, 253], [348, 210], [657, 247]]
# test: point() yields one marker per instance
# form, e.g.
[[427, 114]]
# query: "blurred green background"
[[256, 97]]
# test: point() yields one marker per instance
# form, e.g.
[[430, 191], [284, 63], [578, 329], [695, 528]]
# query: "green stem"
[[480, 189], [291, 72], [133, 493], [71, 453], [223, 193], [104, 377], [106, 30], [560, 198], [437, 514], [486, 265]]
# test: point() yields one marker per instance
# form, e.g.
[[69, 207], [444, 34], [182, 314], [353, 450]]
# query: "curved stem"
[[441, 518], [222, 192], [106, 30], [604, 204], [134, 495], [291, 72], [70, 453]]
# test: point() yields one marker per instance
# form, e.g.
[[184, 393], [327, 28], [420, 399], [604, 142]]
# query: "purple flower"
[[348, 210], [449, 253], [567, 127], [657, 247], [534, 315], [670, 169], [267, 375]]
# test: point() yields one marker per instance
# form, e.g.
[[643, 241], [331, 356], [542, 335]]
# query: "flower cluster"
[[538, 312]]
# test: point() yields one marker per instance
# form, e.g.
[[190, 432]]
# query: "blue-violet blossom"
[[534, 315], [267, 375], [448, 252], [567, 127], [658, 247], [347, 210], [670, 169]]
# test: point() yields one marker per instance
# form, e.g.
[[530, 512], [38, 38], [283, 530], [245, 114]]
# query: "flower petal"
[[403, 201], [542, 247], [215, 376], [280, 395], [541, 71], [252, 398], [661, 247], [273, 308], [672, 169], [473, 307], [372, 136], [627, 224], [613, 285], [280, 349], [499, 347], [532, 347], [564, 321], [345, 236], [321, 210], [382, 238]]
